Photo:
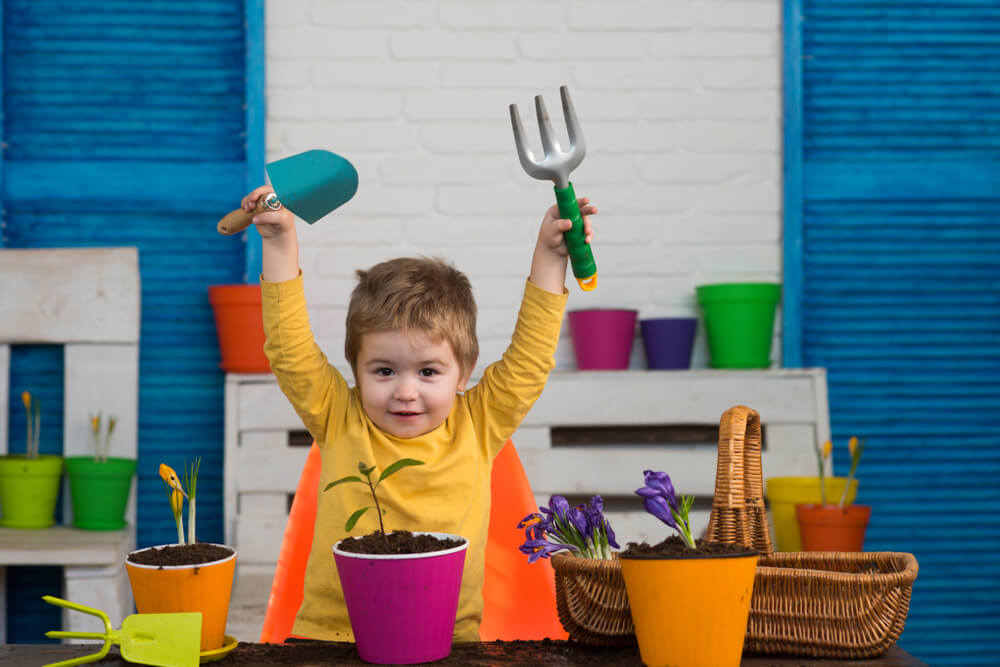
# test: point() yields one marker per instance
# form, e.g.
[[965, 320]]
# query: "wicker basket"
[[591, 601], [820, 604]]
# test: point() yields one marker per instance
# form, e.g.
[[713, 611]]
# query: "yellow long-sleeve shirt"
[[450, 494]]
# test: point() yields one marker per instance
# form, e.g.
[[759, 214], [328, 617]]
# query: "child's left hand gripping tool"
[[309, 184], [555, 167]]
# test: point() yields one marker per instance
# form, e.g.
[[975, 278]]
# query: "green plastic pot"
[[739, 322], [99, 491], [29, 489], [784, 493]]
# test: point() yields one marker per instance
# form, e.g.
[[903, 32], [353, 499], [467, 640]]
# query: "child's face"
[[408, 382]]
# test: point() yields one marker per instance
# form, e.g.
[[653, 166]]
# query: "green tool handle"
[[581, 257]]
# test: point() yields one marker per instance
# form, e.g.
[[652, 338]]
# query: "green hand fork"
[[167, 640], [555, 167]]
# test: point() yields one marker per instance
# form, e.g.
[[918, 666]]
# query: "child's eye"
[[428, 372], [384, 372]]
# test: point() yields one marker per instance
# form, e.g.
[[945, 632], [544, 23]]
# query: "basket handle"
[[738, 513]]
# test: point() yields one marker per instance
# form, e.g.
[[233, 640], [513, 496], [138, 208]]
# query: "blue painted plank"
[[126, 125], [900, 141]]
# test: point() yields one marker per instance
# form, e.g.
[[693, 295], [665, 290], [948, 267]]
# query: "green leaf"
[[354, 518], [365, 469], [349, 478], [401, 463]]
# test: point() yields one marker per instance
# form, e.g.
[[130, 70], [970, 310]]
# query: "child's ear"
[[464, 381]]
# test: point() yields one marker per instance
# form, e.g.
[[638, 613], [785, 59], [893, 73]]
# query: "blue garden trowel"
[[309, 184]]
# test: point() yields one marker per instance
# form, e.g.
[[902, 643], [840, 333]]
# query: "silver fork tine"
[[549, 146], [524, 154], [577, 146]]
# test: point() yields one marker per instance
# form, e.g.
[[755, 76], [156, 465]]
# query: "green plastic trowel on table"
[[166, 640], [309, 184]]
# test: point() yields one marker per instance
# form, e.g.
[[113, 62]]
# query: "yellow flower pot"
[[784, 493], [690, 610]]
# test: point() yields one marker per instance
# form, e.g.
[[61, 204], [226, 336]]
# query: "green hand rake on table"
[[555, 167], [165, 640]]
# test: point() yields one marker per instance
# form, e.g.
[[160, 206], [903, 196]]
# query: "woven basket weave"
[[819, 604], [592, 602]]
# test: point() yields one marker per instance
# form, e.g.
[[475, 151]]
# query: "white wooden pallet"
[[262, 470], [86, 299]]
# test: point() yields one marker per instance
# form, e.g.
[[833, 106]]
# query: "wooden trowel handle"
[[236, 221]]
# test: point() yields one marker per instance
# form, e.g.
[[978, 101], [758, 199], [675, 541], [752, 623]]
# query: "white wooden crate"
[[262, 469], [88, 300]]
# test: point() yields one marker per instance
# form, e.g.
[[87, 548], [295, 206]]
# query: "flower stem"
[[378, 508]]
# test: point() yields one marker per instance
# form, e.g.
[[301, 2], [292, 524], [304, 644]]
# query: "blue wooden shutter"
[[893, 283], [126, 124]]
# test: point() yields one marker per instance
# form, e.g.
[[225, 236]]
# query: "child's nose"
[[406, 389]]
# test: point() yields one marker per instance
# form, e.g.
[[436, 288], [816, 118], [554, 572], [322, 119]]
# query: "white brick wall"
[[680, 103]]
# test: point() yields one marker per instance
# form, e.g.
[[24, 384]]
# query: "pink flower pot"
[[402, 607], [602, 339]]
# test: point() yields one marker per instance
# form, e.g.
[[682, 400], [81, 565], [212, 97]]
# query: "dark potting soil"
[[397, 542], [181, 554], [476, 655], [675, 546], [310, 653]]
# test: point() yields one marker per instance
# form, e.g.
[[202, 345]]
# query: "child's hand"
[[548, 264], [550, 236], [270, 224]]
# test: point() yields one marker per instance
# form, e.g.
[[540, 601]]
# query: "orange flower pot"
[[239, 323], [205, 587], [832, 528], [690, 611]]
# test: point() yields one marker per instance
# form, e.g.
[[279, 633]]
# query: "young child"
[[411, 342]]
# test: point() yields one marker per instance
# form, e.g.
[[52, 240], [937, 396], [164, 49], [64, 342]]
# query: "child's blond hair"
[[414, 293]]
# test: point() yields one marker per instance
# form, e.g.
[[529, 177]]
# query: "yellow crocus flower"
[[171, 478]]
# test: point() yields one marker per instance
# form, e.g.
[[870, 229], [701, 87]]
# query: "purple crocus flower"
[[579, 520], [535, 549], [658, 507], [660, 500], [581, 529], [658, 484]]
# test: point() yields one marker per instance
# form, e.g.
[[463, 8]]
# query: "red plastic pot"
[[239, 323], [832, 528]]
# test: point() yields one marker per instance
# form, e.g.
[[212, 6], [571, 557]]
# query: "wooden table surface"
[[489, 653]]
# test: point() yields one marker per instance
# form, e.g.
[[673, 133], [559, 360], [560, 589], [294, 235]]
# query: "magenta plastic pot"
[[668, 341], [402, 607], [602, 339]]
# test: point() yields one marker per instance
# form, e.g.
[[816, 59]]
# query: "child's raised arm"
[[548, 264], [279, 245]]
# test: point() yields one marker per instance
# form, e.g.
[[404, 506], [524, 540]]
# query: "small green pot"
[[99, 491], [29, 489], [739, 322]]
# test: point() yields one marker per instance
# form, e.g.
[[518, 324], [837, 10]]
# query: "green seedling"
[[367, 470]]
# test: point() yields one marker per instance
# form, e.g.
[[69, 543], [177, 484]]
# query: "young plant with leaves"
[[367, 471]]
